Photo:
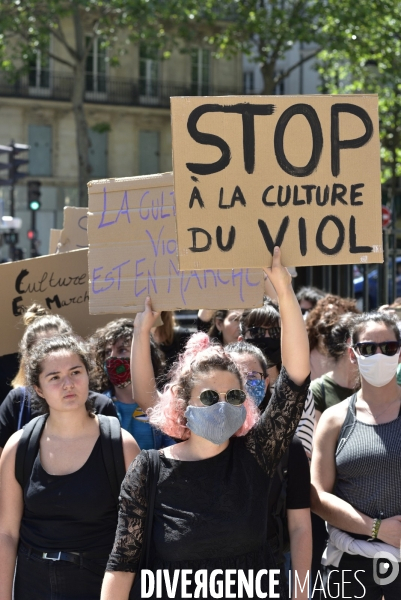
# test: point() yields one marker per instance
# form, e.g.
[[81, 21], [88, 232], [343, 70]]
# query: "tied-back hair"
[[38, 322], [336, 339], [361, 321], [325, 315], [109, 335], [201, 356], [44, 348]]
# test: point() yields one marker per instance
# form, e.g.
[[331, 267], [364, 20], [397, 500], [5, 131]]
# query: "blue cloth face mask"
[[215, 423], [256, 390]]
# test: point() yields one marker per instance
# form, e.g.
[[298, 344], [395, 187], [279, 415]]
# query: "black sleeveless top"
[[72, 513]]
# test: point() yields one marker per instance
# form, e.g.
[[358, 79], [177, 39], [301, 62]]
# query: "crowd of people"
[[258, 457]]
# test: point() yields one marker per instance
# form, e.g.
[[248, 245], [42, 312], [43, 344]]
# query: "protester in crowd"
[[16, 410], [338, 384], [9, 364], [261, 328], [204, 515], [58, 508], [356, 467], [111, 347], [308, 297], [225, 326], [289, 525], [169, 338], [318, 324]]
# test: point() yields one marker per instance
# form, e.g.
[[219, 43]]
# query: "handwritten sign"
[[301, 172], [58, 282], [133, 253]]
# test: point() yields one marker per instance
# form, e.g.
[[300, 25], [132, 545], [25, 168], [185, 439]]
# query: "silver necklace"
[[382, 412]]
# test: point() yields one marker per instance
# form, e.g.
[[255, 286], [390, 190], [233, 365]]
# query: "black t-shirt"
[[298, 486], [9, 365], [10, 411]]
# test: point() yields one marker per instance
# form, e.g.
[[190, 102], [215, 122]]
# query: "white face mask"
[[379, 369]]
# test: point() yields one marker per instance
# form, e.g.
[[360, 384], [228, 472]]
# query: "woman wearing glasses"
[[356, 485], [261, 328], [210, 511]]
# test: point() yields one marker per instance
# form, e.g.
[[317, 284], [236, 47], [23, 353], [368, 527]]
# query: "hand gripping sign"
[[301, 172]]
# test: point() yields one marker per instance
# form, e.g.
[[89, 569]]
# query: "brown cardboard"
[[74, 234], [132, 253], [54, 240], [59, 282], [214, 164]]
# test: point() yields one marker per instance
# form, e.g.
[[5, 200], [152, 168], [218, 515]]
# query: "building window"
[[40, 152], [149, 152], [98, 151], [96, 68], [39, 71], [200, 72], [148, 71], [249, 82]]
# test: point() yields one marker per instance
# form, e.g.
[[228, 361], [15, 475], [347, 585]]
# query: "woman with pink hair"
[[210, 518]]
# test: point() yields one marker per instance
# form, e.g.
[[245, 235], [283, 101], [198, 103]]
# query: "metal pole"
[[12, 214], [365, 288], [385, 268], [309, 276], [394, 251]]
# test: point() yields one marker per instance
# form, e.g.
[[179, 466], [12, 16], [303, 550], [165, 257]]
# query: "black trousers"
[[37, 578], [355, 578]]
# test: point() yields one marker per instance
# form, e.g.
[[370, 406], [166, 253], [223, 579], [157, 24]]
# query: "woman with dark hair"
[[205, 517], [261, 327], [111, 347], [60, 514], [356, 485], [225, 326], [16, 410], [339, 383], [318, 324], [308, 297]]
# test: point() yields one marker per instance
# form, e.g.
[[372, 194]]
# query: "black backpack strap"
[[153, 477], [112, 450], [349, 423], [28, 448]]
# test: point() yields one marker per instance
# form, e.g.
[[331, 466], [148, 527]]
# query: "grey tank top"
[[368, 461]]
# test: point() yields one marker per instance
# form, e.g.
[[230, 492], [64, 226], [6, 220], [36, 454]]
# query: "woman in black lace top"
[[210, 512]]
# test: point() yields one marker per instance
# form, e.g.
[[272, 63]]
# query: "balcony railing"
[[107, 90]]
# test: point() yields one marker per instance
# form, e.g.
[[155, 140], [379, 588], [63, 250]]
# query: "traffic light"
[[34, 195], [31, 235], [11, 176], [11, 237]]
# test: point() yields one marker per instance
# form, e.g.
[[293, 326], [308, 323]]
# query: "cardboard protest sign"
[[133, 253], [301, 172], [58, 282], [74, 234], [54, 240]]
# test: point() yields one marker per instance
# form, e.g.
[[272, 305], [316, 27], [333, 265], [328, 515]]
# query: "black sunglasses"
[[370, 348], [305, 310], [234, 397], [255, 332]]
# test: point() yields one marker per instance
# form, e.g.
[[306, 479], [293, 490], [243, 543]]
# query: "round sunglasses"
[[370, 348], [234, 397]]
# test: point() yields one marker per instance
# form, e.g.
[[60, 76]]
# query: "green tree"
[[371, 63], [26, 27]]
